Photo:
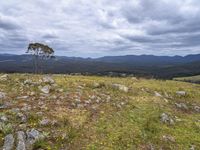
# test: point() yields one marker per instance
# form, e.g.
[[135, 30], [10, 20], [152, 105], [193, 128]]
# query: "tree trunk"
[[35, 63]]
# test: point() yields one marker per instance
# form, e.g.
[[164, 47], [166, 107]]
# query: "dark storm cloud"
[[103, 27]]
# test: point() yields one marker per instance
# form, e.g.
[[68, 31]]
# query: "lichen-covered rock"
[[21, 140], [165, 118], [45, 89], [48, 80], [4, 77], [120, 87], [8, 142], [2, 95], [22, 117], [3, 119], [181, 93], [197, 109], [168, 138], [33, 135], [157, 94], [181, 106], [45, 122]]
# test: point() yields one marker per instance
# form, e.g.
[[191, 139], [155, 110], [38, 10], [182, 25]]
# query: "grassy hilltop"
[[99, 113], [192, 79]]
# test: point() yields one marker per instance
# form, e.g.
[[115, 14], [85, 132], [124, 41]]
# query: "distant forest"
[[149, 66]]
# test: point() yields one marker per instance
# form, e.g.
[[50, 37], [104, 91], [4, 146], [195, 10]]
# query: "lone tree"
[[38, 51]]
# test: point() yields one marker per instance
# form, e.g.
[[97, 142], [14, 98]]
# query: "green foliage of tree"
[[39, 50]]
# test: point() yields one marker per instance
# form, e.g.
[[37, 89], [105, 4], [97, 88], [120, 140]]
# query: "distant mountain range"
[[164, 67]]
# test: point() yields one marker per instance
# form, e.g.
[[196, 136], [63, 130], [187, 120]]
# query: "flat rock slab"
[[9, 142]]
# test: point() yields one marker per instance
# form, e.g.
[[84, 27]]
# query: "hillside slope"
[[60, 112], [192, 79]]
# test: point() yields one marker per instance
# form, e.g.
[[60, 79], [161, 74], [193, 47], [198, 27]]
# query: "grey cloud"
[[50, 36], [106, 27], [7, 24]]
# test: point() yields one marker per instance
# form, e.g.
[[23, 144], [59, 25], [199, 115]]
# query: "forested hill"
[[143, 65]]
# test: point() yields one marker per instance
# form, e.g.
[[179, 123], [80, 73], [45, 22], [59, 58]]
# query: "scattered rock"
[[33, 135], [177, 119], [22, 117], [192, 147], [165, 118], [45, 89], [157, 94], [8, 142], [3, 119], [3, 106], [48, 80], [39, 113], [181, 93], [4, 77], [28, 82], [168, 138], [181, 106], [23, 97], [197, 109], [26, 108], [21, 140], [134, 79], [60, 90], [120, 87], [45, 122], [54, 97], [15, 110], [22, 127], [96, 85], [32, 93], [2, 95]]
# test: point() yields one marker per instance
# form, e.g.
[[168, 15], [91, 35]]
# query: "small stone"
[[168, 138], [15, 110], [157, 94], [60, 90], [96, 85], [3, 106], [88, 101], [28, 82], [120, 87], [21, 140], [181, 93], [48, 80], [3, 119], [8, 142], [54, 97], [192, 147], [32, 94], [33, 135], [22, 117], [4, 77], [45, 89], [22, 126], [197, 109], [165, 118], [22, 97], [39, 113], [2, 95], [181, 106], [45, 122], [26, 108]]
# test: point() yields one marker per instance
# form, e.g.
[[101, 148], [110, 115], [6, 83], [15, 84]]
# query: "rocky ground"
[[60, 112]]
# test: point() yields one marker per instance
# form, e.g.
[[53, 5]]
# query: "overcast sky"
[[94, 28]]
